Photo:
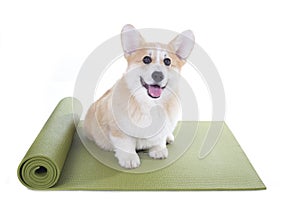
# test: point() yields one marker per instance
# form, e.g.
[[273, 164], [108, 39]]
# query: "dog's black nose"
[[157, 76]]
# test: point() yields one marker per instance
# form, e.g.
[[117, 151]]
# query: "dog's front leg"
[[124, 147]]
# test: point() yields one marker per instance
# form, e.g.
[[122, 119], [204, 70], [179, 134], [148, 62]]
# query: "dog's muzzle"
[[153, 90]]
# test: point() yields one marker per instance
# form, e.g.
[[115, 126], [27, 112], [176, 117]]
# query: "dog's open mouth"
[[154, 91]]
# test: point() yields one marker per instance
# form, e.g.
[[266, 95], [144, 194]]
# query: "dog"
[[151, 80]]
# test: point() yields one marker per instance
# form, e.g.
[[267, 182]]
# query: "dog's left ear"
[[183, 44], [131, 39]]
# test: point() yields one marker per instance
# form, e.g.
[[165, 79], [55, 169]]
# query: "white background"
[[254, 44]]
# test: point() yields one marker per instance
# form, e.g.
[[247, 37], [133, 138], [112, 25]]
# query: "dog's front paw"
[[130, 163], [158, 153], [128, 160], [170, 139]]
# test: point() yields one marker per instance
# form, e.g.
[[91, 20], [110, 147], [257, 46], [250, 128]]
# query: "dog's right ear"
[[131, 39]]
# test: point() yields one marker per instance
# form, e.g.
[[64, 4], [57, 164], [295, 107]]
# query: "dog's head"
[[153, 67]]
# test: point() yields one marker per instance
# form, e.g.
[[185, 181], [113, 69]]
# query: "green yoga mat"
[[58, 160]]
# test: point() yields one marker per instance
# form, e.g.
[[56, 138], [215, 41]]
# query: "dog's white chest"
[[157, 137]]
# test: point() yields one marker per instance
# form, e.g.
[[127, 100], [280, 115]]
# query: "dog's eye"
[[147, 60], [167, 61]]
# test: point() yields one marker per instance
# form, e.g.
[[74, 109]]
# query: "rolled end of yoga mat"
[[43, 162]]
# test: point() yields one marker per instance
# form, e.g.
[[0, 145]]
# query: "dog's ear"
[[183, 44], [131, 39]]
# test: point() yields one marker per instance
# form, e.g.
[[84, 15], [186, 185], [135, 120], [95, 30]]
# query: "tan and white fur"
[[144, 85]]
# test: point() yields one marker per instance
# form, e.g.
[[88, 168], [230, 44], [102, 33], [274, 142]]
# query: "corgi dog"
[[119, 121]]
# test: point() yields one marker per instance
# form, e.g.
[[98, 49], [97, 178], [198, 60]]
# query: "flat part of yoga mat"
[[225, 168]]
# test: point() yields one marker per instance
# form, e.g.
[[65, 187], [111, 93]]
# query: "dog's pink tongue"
[[154, 91]]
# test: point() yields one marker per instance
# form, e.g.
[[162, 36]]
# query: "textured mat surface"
[[58, 160]]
